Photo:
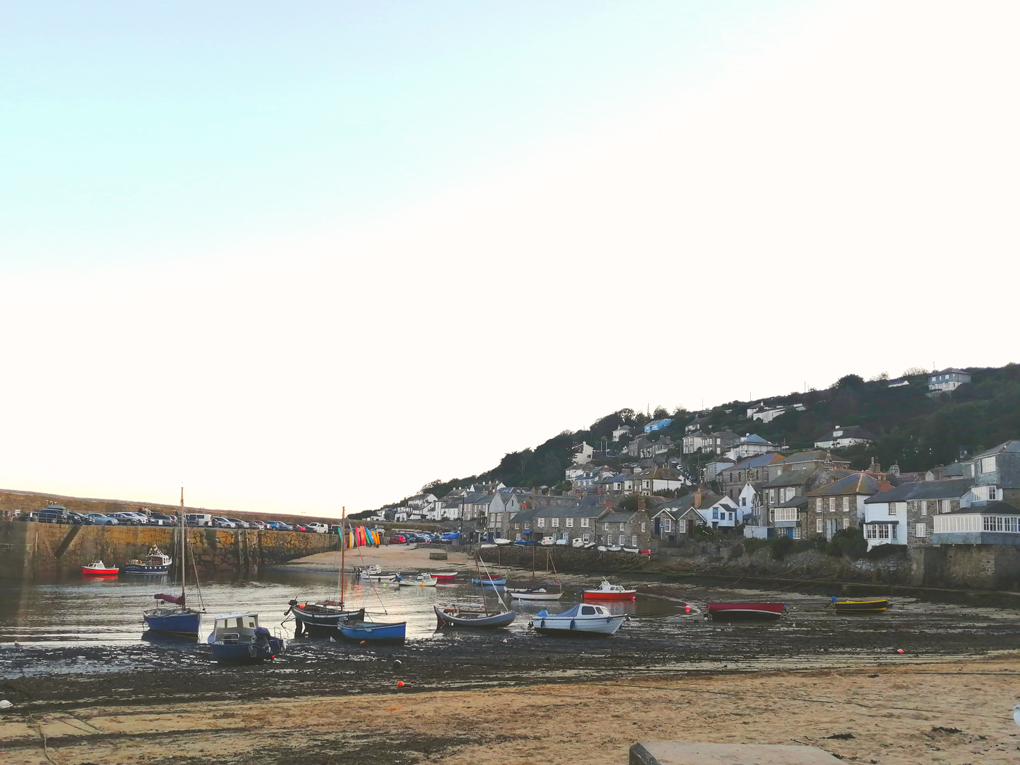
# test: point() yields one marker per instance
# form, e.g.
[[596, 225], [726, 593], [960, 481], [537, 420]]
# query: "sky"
[[300, 257]]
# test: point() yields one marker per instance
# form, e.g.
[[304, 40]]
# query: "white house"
[[768, 414], [583, 453], [720, 514], [620, 432], [751, 445], [947, 380], [750, 504], [841, 438]]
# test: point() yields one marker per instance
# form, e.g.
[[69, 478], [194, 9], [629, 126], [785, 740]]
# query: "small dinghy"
[[754, 611], [449, 577], [98, 568], [607, 591], [860, 606], [374, 632], [172, 617], [322, 618], [460, 616], [490, 581], [237, 638], [539, 593], [584, 618]]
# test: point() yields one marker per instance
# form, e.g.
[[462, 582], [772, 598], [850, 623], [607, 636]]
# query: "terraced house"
[[840, 505], [569, 523], [626, 529], [903, 515]]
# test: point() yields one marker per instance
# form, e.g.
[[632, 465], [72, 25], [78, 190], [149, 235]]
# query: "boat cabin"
[[234, 628]]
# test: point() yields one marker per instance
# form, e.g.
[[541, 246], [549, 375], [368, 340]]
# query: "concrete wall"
[[51, 550], [564, 558], [978, 566]]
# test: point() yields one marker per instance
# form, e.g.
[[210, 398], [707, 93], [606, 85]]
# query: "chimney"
[[641, 504], [697, 498], [884, 486], [894, 469]]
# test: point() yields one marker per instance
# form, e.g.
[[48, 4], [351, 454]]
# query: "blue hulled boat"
[[374, 631], [154, 562], [237, 638], [173, 619], [490, 581]]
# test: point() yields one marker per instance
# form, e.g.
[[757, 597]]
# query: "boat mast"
[[343, 548], [184, 538]]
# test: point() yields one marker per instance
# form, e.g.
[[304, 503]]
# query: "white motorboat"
[[584, 618], [422, 580]]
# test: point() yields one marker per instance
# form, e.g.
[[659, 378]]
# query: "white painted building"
[[947, 380]]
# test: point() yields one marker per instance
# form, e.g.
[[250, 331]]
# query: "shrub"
[[781, 548], [885, 551], [849, 542]]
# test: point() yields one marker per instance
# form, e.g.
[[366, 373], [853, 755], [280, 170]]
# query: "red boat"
[[445, 578], [607, 591], [746, 610], [98, 568]]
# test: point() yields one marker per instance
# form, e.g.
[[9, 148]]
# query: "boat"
[[539, 593], [418, 581], [367, 571], [323, 617], [98, 568], [461, 616], [154, 562], [376, 632], [172, 616], [374, 574], [237, 638], [445, 578], [761, 611], [860, 606], [491, 581], [586, 618], [607, 591]]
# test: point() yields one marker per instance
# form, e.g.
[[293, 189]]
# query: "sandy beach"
[[946, 712], [410, 558]]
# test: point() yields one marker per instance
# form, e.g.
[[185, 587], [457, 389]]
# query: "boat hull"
[[375, 632], [860, 606], [247, 653], [489, 582], [600, 595], [493, 621], [130, 568], [746, 611], [417, 583], [321, 621], [445, 578], [86, 571], [536, 596], [557, 625], [177, 622]]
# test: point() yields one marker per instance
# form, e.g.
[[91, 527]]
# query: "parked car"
[[577, 542], [450, 536], [129, 519], [281, 526], [162, 520], [300, 527], [318, 528], [222, 523], [398, 539], [240, 524], [259, 524], [78, 518], [99, 519], [53, 514], [525, 542], [547, 542], [200, 519]]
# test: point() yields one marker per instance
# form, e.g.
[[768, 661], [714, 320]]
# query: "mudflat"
[[918, 712]]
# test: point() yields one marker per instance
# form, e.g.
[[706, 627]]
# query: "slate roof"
[[850, 431], [791, 478], [1005, 446], [618, 518], [754, 438], [523, 516], [799, 501], [758, 460], [813, 455], [857, 483], [580, 511], [923, 490], [989, 508]]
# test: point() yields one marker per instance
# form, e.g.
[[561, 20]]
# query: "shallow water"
[[109, 611]]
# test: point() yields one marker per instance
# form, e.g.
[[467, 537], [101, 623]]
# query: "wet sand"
[[411, 558], [938, 712]]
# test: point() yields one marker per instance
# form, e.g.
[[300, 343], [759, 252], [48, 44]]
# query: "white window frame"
[[570, 523], [818, 526]]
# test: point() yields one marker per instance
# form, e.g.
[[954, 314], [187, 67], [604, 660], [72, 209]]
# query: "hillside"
[[914, 430]]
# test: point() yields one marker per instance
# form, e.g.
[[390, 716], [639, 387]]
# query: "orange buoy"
[[400, 683]]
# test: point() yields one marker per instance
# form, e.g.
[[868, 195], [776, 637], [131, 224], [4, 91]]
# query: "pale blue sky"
[[308, 256], [137, 131]]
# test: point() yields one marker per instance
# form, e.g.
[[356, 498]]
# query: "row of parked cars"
[[60, 514]]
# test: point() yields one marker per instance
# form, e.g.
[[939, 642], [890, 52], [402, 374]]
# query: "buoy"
[[900, 651], [362, 642], [5, 704], [400, 683], [397, 664], [688, 609]]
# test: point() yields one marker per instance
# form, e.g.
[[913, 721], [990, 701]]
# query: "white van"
[[200, 519], [318, 528]]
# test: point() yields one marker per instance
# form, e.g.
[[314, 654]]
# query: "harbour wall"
[[57, 551], [967, 567]]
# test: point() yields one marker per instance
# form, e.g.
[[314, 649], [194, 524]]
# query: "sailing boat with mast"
[[455, 615], [172, 616], [538, 592], [325, 616]]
